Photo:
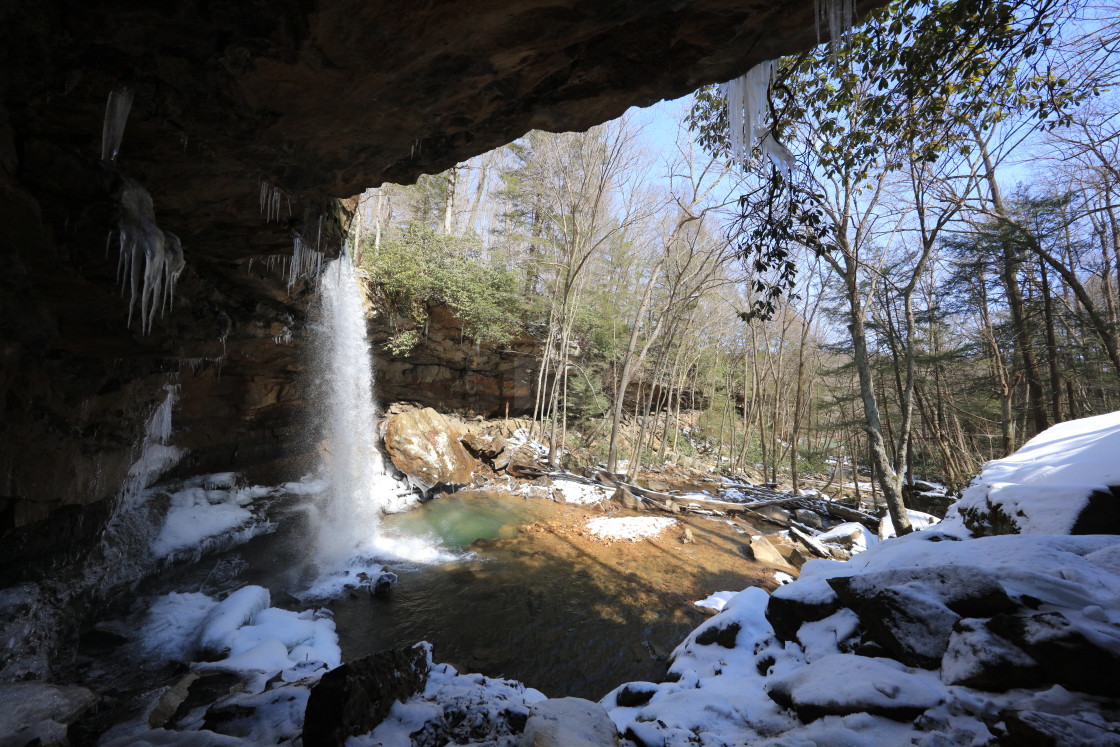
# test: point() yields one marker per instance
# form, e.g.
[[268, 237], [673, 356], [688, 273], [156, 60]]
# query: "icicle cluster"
[[837, 16], [747, 116], [150, 259], [305, 262], [116, 115], [270, 201]]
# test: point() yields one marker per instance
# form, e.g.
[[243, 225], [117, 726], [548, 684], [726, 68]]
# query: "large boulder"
[[880, 687], [424, 444], [355, 697], [568, 722], [1033, 492]]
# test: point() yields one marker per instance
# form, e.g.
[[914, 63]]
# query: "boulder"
[[760, 549], [792, 605], [726, 636], [977, 657], [356, 697], [880, 687], [776, 514], [968, 591], [1082, 656], [623, 496], [522, 462], [424, 444], [912, 627], [485, 446], [39, 713], [1039, 729], [809, 518], [568, 722]]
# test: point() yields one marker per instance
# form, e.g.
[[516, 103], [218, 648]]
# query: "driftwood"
[[657, 499]]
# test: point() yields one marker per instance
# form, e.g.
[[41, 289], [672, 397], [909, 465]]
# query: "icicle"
[[116, 115], [747, 109], [150, 260], [837, 16], [305, 262]]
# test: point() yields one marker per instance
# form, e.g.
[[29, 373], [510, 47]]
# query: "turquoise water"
[[460, 519]]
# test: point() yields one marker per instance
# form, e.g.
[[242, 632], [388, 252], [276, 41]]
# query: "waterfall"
[[360, 488]]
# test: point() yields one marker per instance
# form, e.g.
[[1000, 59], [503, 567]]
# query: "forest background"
[[910, 263]]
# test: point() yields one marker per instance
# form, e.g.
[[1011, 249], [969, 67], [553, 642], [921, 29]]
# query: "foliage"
[[422, 268], [912, 84]]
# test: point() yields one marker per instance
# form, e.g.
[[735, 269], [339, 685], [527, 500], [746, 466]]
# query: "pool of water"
[[549, 608]]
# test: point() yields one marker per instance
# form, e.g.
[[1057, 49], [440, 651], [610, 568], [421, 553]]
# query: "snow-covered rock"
[[881, 687], [568, 722], [1065, 480], [940, 637]]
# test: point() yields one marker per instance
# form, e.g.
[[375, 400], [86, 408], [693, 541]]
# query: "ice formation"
[[747, 106], [150, 260], [837, 16], [747, 115], [116, 115], [305, 262], [270, 201]]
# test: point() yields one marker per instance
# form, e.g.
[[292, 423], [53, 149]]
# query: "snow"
[[223, 622], [278, 654], [197, 514], [716, 601], [1044, 485], [868, 683], [918, 522], [171, 626], [520, 437], [733, 673], [455, 709], [578, 492], [631, 528]]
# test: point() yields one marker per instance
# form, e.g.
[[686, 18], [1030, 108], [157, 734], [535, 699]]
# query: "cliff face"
[[305, 102]]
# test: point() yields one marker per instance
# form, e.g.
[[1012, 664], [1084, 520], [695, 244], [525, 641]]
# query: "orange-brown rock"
[[424, 444]]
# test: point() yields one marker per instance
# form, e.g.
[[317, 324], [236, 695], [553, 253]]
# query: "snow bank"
[[278, 654], [631, 528], [1044, 486]]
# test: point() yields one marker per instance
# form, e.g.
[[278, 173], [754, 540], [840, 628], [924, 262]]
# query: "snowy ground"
[[630, 527]]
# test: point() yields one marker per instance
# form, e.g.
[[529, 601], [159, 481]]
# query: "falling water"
[[361, 490]]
